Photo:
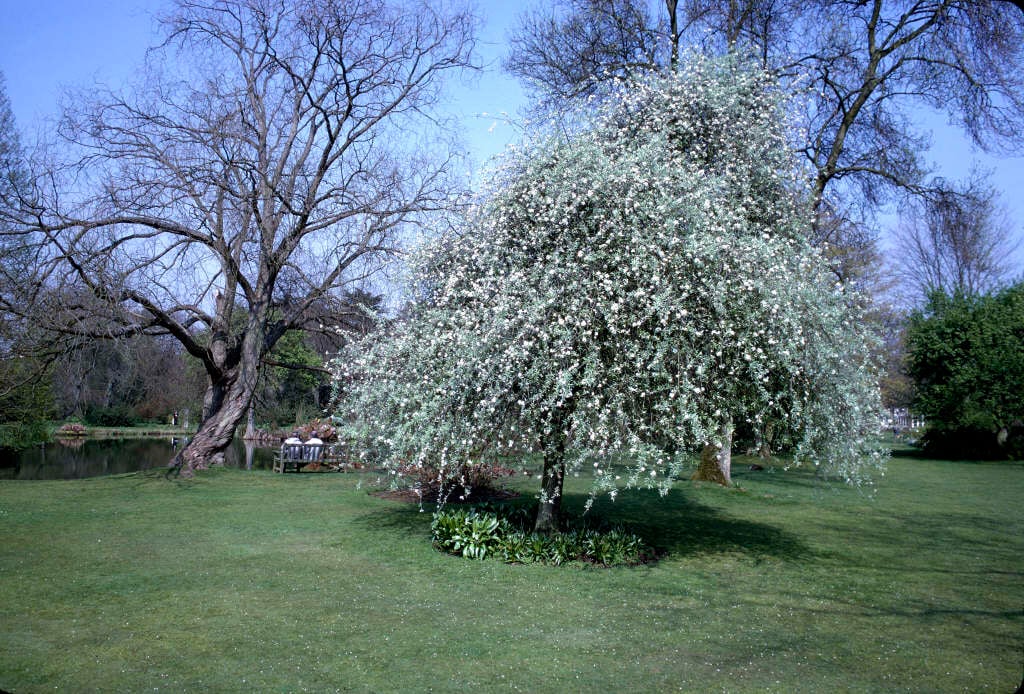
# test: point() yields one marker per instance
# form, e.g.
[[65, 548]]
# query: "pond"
[[82, 458]]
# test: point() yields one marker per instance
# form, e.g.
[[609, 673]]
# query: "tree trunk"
[[549, 512], [673, 21], [215, 432], [765, 435], [716, 458], [227, 400]]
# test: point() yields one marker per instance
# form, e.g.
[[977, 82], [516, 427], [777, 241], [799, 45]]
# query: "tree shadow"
[[946, 541], [674, 525], [903, 450], [920, 453], [397, 516], [799, 477], [679, 525]]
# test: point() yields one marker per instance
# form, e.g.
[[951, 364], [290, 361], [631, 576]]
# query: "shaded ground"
[[412, 497]]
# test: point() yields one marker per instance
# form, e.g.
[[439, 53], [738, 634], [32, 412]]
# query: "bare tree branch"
[[957, 240], [267, 162]]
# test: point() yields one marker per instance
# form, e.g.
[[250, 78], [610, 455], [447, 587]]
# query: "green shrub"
[[20, 435], [477, 533], [965, 354], [466, 532], [117, 416]]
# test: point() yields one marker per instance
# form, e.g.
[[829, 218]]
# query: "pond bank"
[[95, 456], [133, 432]]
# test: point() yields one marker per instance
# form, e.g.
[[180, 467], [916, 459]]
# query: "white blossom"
[[627, 285]]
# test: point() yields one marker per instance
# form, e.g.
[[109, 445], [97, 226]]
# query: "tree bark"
[[716, 458], [549, 512], [228, 397], [765, 435], [215, 432]]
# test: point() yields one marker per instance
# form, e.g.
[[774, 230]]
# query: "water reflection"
[[79, 458]]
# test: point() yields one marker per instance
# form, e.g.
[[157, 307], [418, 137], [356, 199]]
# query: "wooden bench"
[[293, 456]]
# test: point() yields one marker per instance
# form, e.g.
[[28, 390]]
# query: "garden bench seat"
[[293, 456]]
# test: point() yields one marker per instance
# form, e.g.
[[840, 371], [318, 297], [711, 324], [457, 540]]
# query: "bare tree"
[[267, 163], [10, 148], [957, 240], [20, 378], [870, 62], [569, 50]]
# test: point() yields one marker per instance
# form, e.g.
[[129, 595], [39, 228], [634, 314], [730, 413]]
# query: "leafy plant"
[[466, 532], [966, 357], [19, 435], [116, 416], [476, 533]]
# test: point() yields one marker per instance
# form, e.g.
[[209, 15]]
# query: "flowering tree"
[[626, 295]]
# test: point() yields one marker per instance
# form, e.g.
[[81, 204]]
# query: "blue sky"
[[48, 45]]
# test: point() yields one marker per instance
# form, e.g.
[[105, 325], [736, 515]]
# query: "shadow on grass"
[[680, 526], [778, 475], [899, 450], [968, 616], [946, 542], [675, 525], [397, 516]]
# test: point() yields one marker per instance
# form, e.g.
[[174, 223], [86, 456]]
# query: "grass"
[[250, 581]]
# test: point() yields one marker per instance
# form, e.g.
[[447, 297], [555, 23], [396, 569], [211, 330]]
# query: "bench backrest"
[[302, 451]]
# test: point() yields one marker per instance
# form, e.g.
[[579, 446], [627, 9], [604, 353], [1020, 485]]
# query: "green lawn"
[[250, 581]]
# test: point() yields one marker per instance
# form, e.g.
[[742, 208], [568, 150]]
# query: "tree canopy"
[[862, 67], [624, 296], [966, 358]]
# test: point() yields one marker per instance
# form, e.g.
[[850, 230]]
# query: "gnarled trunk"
[[224, 407], [216, 431], [716, 458]]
